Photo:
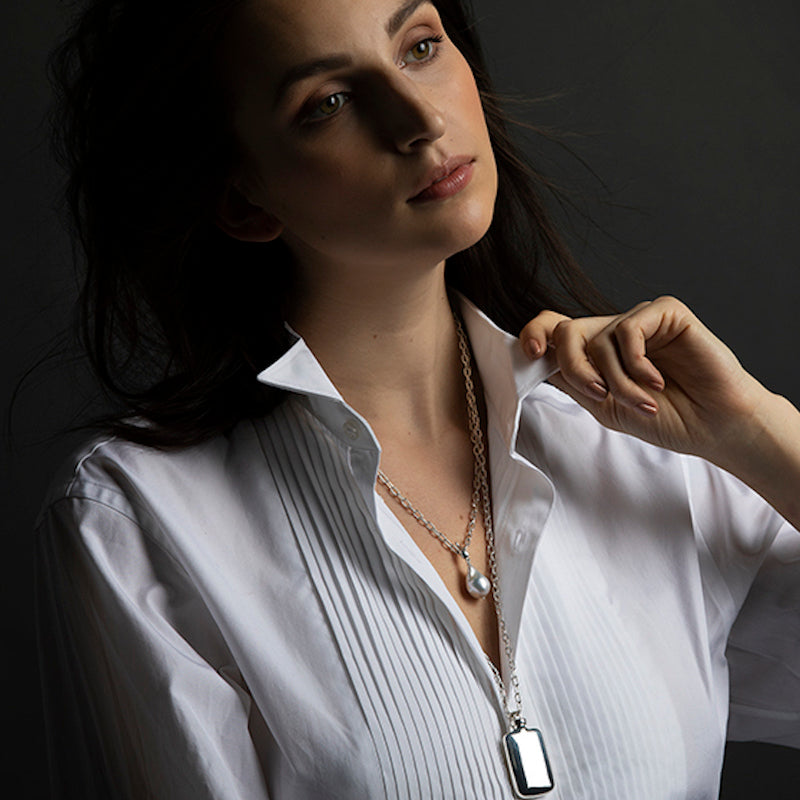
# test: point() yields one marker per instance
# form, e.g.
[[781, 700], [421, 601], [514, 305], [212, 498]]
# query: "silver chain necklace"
[[526, 757], [477, 584]]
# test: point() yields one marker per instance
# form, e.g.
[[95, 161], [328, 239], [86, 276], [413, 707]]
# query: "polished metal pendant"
[[478, 585], [527, 761]]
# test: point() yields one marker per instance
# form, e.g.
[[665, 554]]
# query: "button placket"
[[351, 429], [518, 540]]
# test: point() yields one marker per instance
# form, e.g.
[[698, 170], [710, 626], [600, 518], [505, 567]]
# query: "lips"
[[445, 180]]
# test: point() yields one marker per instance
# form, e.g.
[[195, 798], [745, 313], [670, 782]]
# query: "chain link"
[[481, 496], [459, 550], [515, 717]]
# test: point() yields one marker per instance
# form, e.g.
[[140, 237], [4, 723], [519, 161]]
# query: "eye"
[[424, 50], [329, 107]]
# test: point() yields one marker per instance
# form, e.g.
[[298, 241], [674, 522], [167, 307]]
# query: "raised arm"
[[658, 373]]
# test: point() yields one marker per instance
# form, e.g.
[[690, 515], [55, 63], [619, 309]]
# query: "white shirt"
[[247, 618]]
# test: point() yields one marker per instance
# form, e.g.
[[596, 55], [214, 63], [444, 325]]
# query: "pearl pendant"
[[478, 585]]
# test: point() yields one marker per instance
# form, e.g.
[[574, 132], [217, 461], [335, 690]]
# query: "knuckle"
[[572, 364], [670, 300], [549, 319], [561, 331], [631, 332], [626, 325], [627, 329], [543, 324], [595, 348]]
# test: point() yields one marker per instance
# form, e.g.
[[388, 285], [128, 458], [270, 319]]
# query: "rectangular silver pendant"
[[527, 762]]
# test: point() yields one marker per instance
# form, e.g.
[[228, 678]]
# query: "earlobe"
[[243, 220]]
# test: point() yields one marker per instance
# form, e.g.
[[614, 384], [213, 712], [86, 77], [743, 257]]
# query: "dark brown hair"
[[176, 316]]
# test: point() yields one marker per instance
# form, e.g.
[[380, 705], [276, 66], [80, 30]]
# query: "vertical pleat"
[[433, 718], [429, 705]]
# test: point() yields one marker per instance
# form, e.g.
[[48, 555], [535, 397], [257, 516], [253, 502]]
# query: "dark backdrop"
[[688, 113]]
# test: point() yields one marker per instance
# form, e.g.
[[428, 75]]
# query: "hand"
[[655, 372]]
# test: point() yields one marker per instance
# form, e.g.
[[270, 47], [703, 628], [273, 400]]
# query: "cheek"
[[295, 183], [467, 99], [466, 96], [335, 201]]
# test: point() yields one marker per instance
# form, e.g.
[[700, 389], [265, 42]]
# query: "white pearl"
[[478, 585]]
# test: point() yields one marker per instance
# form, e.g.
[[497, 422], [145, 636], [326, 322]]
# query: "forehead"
[[274, 32], [299, 24]]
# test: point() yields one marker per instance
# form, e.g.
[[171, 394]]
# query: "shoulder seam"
[[145, 531], [96, 501], [81, 462]]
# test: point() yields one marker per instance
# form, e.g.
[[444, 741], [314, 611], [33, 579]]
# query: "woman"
[[397, 557]]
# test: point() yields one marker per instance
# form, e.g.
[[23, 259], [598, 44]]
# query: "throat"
[[397, 363], [444, 503]]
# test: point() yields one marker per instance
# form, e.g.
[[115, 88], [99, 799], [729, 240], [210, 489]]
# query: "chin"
[[474, 224]]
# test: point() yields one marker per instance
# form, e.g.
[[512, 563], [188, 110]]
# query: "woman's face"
[[346, 112]]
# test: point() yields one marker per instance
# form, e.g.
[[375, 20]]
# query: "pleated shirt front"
[[248, 619]]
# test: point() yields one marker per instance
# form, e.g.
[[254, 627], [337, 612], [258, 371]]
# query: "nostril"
[[407, 112], [417, 143], [426, 128]]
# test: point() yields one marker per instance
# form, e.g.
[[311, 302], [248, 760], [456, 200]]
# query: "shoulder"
[[554, 424], [146, 483], [109, 467], [618, 471]]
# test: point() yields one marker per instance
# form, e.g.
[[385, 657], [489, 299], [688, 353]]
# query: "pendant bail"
[[516, 721]]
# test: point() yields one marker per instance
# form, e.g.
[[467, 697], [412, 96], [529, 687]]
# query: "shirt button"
[[351, 430], [518, 539]]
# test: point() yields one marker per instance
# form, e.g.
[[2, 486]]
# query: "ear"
[[243, 220]]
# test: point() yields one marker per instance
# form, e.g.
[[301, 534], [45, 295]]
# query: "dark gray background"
[[687, 111]]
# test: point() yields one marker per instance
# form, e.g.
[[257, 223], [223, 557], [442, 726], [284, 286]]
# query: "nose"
[[409, 118]]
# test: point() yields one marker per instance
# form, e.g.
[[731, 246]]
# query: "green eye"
[[424, 50], [331, 105]]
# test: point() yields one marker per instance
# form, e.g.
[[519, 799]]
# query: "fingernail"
[[534, 348], [648, 409], [597, 390]]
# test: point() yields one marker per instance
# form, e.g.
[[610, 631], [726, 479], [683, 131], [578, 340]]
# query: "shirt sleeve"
[[756, 553], [142, 699], [764, 650]]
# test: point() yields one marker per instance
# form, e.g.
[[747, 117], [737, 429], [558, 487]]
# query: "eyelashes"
[[429, 52], [329, 107], [423, 52]]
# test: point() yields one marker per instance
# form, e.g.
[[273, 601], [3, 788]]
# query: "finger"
[[574, 362], [537, 335], [558, 380], [605, 354], [631, 344], [648, 325]]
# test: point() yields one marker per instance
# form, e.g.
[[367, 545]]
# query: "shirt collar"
[[507, 374], [298, 371]]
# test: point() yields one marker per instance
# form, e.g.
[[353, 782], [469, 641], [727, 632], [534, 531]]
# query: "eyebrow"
[[338, 61], [308, 69], [402, 14]]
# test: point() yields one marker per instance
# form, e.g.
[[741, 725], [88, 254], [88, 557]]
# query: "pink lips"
[[446, 180]]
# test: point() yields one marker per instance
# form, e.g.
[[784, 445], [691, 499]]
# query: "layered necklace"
[[477, 584], [526, 757]]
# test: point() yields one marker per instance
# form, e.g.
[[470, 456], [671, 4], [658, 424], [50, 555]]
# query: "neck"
[[390, 348]]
